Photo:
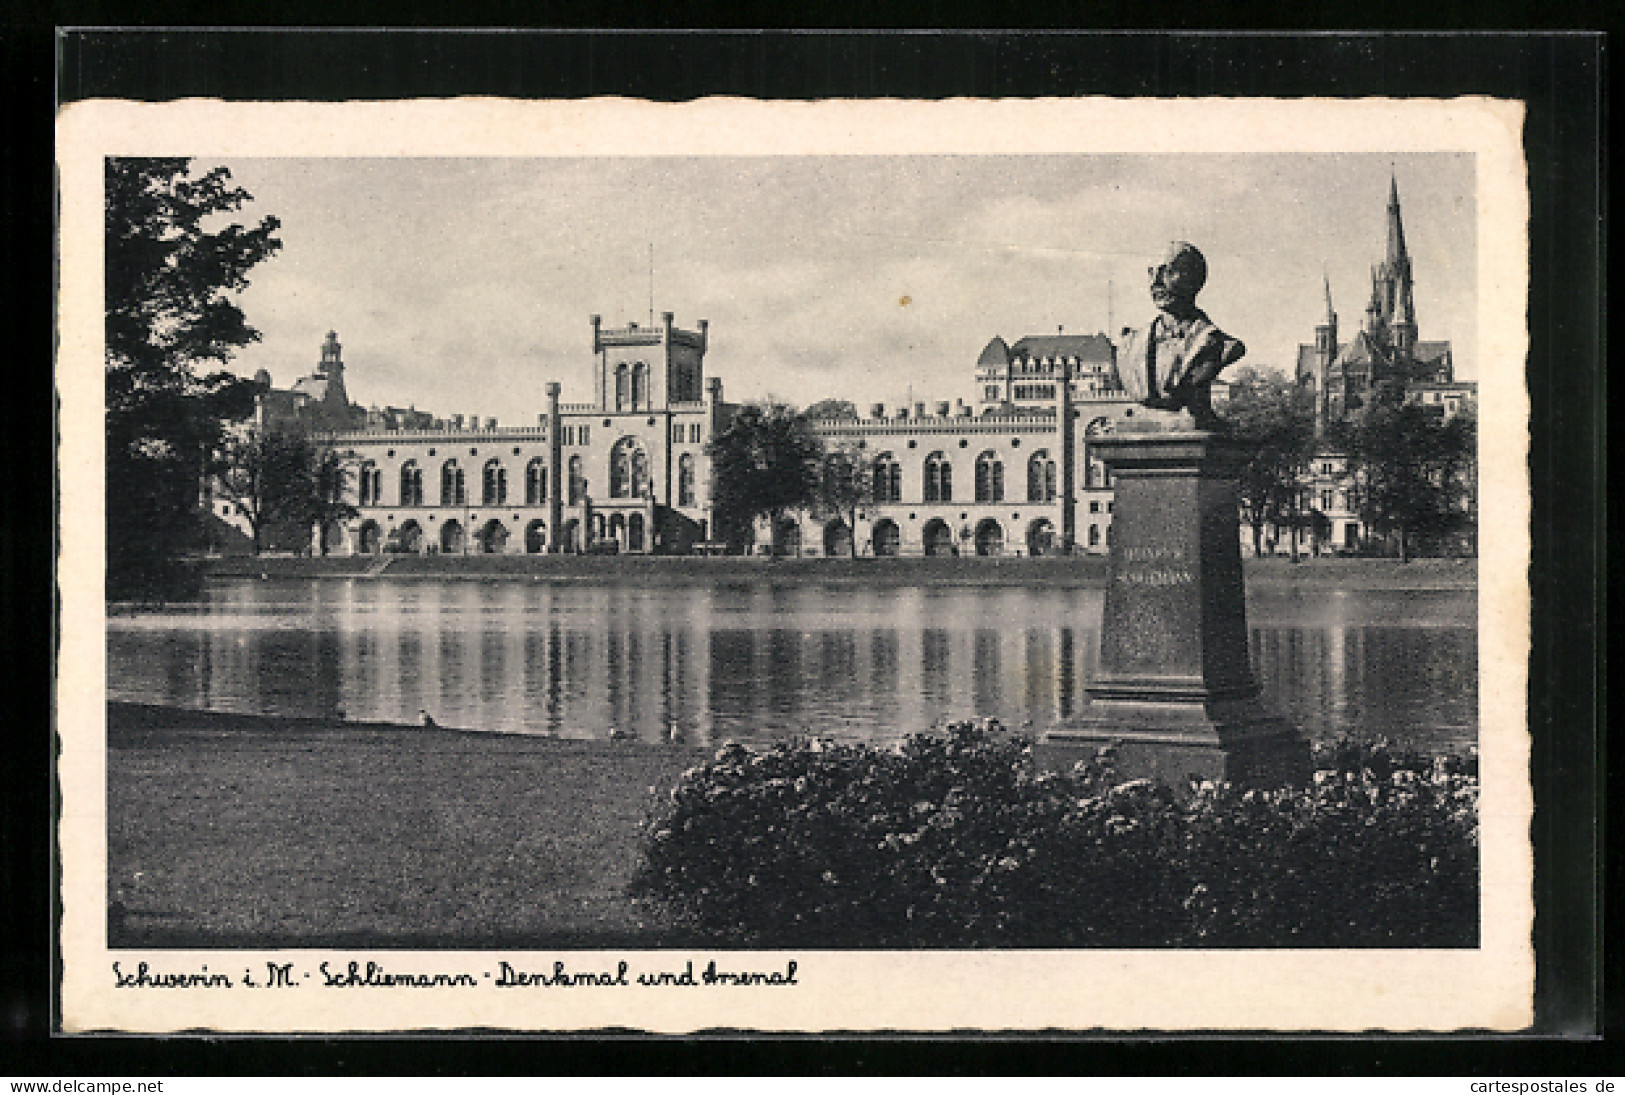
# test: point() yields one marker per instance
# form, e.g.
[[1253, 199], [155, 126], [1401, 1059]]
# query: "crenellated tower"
[[648, 368]]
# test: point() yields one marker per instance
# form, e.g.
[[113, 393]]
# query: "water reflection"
[[749, 660]]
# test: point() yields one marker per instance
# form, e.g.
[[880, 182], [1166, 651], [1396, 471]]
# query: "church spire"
[[1401, 306], [1325, 354], [1396, 228]]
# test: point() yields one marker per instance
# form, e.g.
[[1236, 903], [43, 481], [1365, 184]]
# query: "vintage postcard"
[[794, 567]]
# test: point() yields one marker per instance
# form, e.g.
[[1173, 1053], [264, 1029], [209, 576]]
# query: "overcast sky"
[[461, 286]]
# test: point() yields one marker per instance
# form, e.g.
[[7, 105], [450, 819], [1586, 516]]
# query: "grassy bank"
[[261, 832], [228, 830], [1091, 570]]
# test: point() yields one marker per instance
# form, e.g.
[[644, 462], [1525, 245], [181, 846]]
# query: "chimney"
[[877, 410], [490, 423], [456, 421], [919, 410]]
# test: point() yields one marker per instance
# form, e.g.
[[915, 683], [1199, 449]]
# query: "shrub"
[[953, 840]]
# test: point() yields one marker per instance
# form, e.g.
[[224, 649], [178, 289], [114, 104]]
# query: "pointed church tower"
[[1375, 324], [1397, 270], [1396, 228], [1325, 354]]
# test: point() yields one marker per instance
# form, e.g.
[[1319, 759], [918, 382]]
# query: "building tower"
[[1325, 354], [641, 369], [1403, 317], [1392, 287]]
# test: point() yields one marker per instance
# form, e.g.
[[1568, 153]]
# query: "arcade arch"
[[938, 537], [887, 539], [989, 538]]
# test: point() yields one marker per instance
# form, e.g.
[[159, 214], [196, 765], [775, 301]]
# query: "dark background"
[[1559, 76]]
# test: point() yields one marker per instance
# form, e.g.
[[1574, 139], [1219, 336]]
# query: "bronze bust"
[[1170, 364]]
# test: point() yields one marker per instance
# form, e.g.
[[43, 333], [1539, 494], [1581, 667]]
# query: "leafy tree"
[[1413, 471], [281, 481], [832, 408], [1276, 417], [763, 464], [846, 484], [169, 282]]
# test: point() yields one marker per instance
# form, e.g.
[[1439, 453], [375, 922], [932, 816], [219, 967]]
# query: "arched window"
[[939, 478], [640, 385], [685, 479], [1040, 477], [888, 479], [628, 469], [368, 484], [494, 483], [578, 484], [1094, 535], [989, 477], [535, 482], [453, 491], [621, 392], [411, 484]]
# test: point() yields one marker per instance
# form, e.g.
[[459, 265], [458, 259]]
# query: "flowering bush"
[[953, 840]]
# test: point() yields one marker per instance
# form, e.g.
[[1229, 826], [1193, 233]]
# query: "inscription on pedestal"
[[1156, 566]]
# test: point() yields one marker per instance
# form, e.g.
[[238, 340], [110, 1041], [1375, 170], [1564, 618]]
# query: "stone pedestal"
[[1174, 692]]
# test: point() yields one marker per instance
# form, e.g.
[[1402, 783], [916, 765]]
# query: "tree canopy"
[[846, 484], [170, 277], [1277, 418], [764, 463], [1414, 471], [832, 408], [282, 483]]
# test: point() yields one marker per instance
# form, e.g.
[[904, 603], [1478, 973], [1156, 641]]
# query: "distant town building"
[[1027, 374], [1386, 346], [316, 402]]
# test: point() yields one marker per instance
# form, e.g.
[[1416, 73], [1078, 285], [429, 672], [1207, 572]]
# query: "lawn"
[[239, 831]]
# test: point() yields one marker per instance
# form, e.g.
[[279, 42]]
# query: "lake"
[[758, 659]]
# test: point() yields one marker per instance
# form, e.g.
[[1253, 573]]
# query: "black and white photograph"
[[795, 567]]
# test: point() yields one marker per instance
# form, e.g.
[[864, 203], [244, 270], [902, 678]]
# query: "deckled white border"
[[1070, 990]]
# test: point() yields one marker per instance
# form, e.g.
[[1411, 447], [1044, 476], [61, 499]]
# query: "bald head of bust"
[[1176, 278]]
